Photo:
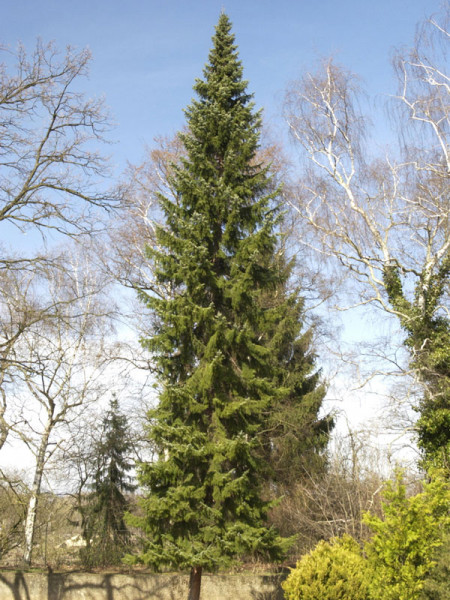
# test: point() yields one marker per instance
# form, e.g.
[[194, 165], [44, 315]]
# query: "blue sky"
[[147, 53]]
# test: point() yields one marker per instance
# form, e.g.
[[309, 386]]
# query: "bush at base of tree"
[[406, 557], [332, 571]]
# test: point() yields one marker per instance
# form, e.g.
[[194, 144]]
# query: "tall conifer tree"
[[213, 339]]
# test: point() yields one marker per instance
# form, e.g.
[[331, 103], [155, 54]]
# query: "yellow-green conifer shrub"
[[333, 570], [403, 549]]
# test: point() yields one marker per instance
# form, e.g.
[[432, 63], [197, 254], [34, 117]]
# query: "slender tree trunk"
[[33, 502], [195, 581], [4, 427]]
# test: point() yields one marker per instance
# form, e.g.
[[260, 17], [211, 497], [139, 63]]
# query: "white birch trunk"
[[30, 522]]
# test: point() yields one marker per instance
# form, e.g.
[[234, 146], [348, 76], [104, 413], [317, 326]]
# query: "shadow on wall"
[[18, 587], [55, 586], [109, 587], [113, 587], [90, 586], [272, 589]]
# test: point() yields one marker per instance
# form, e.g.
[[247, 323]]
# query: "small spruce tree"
[[104, 530], [214, 337]]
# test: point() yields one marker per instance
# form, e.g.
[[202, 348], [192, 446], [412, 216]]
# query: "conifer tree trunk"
[[195, 581]]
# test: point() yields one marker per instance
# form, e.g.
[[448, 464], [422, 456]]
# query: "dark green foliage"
[[296, 438], [103, 526], [214, 341], [437, 584], [428, 339]]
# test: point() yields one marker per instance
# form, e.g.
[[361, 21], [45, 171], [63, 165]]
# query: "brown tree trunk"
[[195, 581]]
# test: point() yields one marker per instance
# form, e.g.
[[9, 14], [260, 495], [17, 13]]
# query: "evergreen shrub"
[[333, 570]]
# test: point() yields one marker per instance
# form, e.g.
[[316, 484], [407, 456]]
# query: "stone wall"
[[18, 585]]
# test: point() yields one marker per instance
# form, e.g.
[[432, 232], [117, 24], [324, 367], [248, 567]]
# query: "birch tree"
[[60, 362], [386, 220]]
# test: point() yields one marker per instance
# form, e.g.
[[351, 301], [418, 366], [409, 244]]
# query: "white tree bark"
[[60, 360], [30, 521], [368, 215]]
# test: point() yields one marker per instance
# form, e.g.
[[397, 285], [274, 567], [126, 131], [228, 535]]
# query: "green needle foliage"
[[334, 570], [402, 551], [436, 585], [215, 336], [406, 558], [104, 529], [296, 437]]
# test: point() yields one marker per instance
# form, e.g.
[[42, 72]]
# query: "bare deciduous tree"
[[140, 215], [56, 368], [22, 307], [49, 165], [50, 169], [327, 505], [386, 220]]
